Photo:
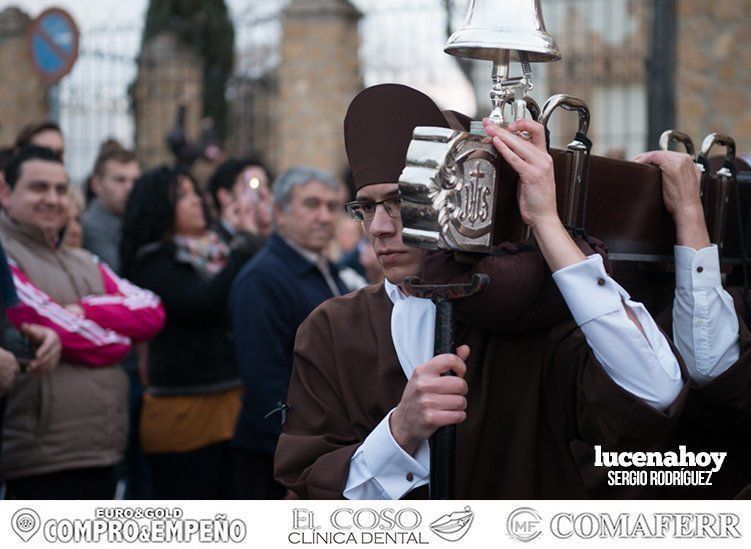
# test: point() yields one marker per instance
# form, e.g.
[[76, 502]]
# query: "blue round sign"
[[53, 42]]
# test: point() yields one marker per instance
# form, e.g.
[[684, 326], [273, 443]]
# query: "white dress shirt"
[[381, 469], [705, 326]]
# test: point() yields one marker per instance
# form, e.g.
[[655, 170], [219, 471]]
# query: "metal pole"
[[53, 102], [661, 114], [443, 441]]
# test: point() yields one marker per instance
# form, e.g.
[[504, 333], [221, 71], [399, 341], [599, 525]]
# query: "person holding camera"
[[240, 191]]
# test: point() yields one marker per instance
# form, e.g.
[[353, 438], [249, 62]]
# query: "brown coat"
[[717, 417], [76, 416], [536, 400]]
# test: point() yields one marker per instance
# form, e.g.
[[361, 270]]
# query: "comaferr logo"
[[524, 524], [642, 525]]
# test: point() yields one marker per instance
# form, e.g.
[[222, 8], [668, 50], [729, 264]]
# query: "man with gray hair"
[[270, 298]]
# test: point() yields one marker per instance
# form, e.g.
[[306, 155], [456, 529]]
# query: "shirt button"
[[410, 477], [600, 281], [699, 269]]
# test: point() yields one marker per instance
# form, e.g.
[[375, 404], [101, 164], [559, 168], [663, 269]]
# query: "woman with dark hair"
[[193, 392]]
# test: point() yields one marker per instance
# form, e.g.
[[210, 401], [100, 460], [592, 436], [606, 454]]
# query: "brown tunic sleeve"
[[604, 412], [522, 295], [315, 466], [588, 408], [345, 379]]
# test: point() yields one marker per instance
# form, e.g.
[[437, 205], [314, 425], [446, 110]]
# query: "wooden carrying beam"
[[624, 209]]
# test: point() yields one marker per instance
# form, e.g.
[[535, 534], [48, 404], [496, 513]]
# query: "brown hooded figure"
[[537, 399]]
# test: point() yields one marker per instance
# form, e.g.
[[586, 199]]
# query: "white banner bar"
[[284, 524]]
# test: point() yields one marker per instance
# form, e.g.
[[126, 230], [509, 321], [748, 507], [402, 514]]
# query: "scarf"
[[207, 253]]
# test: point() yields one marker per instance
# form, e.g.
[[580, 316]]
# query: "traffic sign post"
[[53, 44]]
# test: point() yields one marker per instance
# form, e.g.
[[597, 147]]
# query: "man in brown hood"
[[529, 400]]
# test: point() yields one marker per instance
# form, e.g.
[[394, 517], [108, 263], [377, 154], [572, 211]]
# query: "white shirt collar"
[[412, 328], [393, 291]]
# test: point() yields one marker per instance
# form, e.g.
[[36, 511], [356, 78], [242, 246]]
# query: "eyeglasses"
[[364, 210]]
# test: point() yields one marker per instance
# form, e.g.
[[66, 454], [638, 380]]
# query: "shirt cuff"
[[588, 290], [395, 470], [697, 269]]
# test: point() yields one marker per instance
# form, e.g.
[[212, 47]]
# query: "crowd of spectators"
[[148, 319]]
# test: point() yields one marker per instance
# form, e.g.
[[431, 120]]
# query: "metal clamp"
[[530, 104], [575, 203], [718, 139], [674, 136], [569, 103], [725, 178]]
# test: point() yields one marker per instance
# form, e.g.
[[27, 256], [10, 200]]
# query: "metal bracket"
[[719, 207], [573, 207]]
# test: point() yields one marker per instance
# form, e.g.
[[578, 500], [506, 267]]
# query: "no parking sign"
[[53, 44]]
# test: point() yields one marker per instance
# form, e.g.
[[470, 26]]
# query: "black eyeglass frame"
[[393, 210]]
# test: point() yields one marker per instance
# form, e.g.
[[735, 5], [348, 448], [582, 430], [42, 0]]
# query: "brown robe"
[[717, 415], [535, 400], [717, 418]]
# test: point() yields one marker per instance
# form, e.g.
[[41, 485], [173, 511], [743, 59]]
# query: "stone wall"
[[169, 74], [713, 76], [318, 78], [23, 97]]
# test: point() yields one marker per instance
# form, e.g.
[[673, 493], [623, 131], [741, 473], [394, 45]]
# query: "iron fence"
[[605, 45]]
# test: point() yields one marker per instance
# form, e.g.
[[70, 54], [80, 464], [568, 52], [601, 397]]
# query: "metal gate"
[[605, 46]]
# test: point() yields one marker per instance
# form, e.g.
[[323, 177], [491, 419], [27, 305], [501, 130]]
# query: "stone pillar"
[[23, 97], [169, 74], [318, 78], [713, 74]]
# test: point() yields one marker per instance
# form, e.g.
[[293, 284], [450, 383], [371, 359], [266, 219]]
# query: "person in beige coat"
[[65, 431]]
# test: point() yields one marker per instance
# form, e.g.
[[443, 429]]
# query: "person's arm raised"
[[536, 192], [681, 194], [622, 335], [706, 329]]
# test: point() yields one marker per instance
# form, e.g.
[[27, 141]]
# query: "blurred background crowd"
[[202, 285]]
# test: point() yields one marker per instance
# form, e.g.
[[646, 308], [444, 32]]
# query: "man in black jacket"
[[271, 296]]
